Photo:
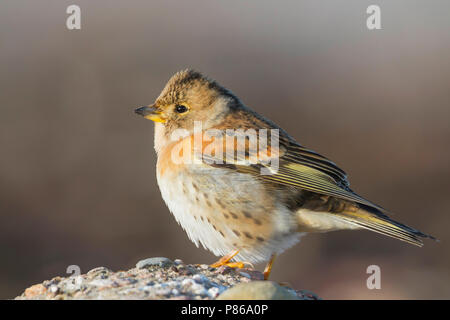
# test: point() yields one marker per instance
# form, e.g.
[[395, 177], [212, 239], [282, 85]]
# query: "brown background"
[[77, 166]]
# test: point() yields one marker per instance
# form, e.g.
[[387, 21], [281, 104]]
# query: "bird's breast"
[[225, 210]]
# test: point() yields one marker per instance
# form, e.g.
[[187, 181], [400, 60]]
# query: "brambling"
[[225, 201]]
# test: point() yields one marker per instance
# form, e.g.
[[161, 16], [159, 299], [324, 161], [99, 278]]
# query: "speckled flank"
[[227, 223]]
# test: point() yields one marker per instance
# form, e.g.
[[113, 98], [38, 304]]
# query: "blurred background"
[[77, 166]]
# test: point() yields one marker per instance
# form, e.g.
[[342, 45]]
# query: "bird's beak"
[[151, 113]]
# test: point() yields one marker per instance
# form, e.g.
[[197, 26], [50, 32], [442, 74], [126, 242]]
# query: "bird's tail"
[[372, 219]]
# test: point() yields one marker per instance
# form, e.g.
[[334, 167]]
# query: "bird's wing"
[[304, 169], [297, 167]]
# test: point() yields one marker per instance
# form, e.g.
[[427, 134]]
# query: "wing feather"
[[299, 168]]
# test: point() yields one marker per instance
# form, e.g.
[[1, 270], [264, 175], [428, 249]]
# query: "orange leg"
[[225, 261], [268, 267]]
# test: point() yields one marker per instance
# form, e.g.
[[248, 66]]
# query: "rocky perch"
[[161, 278]]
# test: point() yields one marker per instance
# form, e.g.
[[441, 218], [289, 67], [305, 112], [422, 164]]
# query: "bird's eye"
[[180, 108]]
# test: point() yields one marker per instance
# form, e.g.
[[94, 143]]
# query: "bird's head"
[[188, 97]]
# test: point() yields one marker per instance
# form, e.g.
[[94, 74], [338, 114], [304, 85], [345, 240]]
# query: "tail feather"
[[376, 221]]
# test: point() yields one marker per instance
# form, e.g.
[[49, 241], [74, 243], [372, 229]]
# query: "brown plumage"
[[235, 206]]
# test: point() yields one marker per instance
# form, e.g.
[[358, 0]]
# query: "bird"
[[249, 204]]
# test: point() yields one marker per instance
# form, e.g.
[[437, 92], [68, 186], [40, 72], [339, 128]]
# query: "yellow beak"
[[151, 113]]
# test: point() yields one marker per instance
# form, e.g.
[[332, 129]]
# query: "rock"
[[102, 283], [199, 278], [307, 295], [224, 270], [252, 274], [100, 272], [178, 262], [258, 290], [36, 290], [159, 261], [159, 278]]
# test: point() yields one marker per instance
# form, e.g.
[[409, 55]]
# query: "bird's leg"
[[268, 267], [225, 261]]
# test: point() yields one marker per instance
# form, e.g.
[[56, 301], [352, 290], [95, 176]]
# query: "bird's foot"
[[268, 268], [225, 261], [239, 264]]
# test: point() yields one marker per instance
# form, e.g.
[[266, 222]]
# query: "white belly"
[[193, 201]]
